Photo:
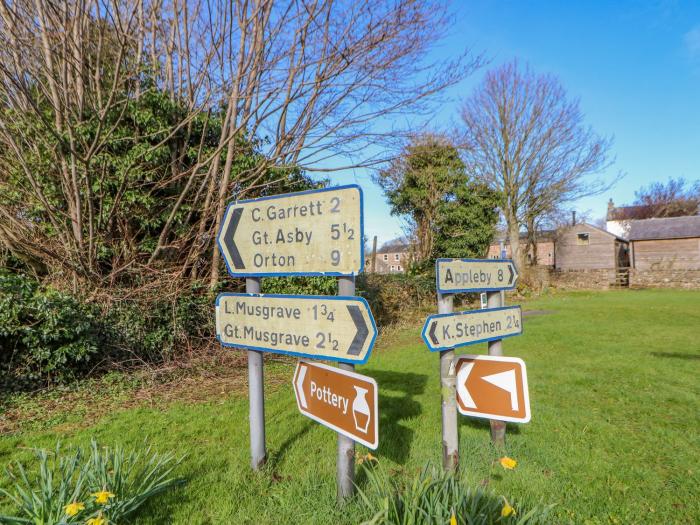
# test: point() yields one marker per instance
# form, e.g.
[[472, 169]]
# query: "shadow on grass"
[[483, 424], [395, 441], [676, 355], [275, 456]]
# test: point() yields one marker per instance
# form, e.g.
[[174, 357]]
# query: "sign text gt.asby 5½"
[[341, 400], [307, 233], [475, 275], [322, 327], [452, 330]]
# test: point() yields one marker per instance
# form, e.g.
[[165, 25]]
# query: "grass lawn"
[[614, 392]]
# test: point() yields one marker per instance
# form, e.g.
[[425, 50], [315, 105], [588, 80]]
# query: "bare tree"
[[527, 140], [673, 199], [310, 84]]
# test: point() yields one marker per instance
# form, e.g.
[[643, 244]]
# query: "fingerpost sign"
[[475, 275], [452, 330], [338, 399], [449, 330], [317, 232], [313, 326]]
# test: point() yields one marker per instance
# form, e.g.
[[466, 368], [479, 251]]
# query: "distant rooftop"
[[395, 246], [626, 213], [679, 208], [542, 235], [666, 228]]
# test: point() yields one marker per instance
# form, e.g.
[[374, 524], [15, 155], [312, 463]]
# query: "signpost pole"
[[498, 428], [256, 395], [346, 447], [502, 250], [450, 435]]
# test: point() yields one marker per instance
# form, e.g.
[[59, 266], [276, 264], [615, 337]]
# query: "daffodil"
[[507, 510], [367, 457], [102, 497], [508, 463], [99, 520], [453, 519], [73, 508]]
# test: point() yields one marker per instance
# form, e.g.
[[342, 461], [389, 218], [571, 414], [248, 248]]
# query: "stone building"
[[545, 248], [393, 257]]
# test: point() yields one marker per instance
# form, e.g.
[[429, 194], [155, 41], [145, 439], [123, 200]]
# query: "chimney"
[[573, 218], [611, 207]]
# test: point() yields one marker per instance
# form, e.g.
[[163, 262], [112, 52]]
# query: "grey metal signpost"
[[345, 465], [316, 232], [256, 395], [447, 330], [498, 428], [448, 394]]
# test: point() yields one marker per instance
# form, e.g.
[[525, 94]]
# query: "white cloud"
[[692, 41]]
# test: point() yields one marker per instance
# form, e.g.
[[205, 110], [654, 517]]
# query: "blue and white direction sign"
[[317, 232], [475, 275], [336, 328], [445, 331]]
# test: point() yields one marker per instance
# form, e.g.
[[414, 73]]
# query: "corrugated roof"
[[666, 228]]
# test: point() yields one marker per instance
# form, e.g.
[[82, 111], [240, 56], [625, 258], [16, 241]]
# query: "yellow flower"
[[99, 520], [367, 457], [508, 463], [507, 510], [453, 519], [73, 508], [102, 497]]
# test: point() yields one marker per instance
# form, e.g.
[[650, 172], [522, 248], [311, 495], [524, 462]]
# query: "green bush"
[[155, 329], [392, 297], [50, 337], [434, 497], [44, 333], [77, 486], [320, 285]]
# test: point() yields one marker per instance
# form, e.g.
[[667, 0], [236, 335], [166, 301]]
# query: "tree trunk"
[[514, 240]]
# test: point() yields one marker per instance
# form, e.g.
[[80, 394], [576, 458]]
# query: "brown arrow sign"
[[340, 400], [492, 387]]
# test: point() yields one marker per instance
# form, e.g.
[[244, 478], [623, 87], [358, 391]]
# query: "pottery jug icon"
[[360, 409]]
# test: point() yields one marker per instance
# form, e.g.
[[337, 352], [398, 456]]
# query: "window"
[[396, 256], [386, 256], [399, 267], [582, 239], [393, 267]]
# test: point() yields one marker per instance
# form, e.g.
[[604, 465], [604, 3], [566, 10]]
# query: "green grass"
[[613, 439]]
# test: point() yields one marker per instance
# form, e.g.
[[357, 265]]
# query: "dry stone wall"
[[668, 278], [583, 279]]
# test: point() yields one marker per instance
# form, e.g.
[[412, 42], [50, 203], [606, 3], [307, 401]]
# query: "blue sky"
[[634, 66]]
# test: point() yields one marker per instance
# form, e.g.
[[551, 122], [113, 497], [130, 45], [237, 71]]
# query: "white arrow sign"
[[493, 387], [462, 391], [300, 385], [505, 381]]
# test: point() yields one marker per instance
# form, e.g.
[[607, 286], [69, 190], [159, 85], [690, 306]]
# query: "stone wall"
[[668, 278], [582, 279]]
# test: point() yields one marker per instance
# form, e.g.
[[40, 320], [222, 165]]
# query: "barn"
[[665, 252], [588, 256]]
